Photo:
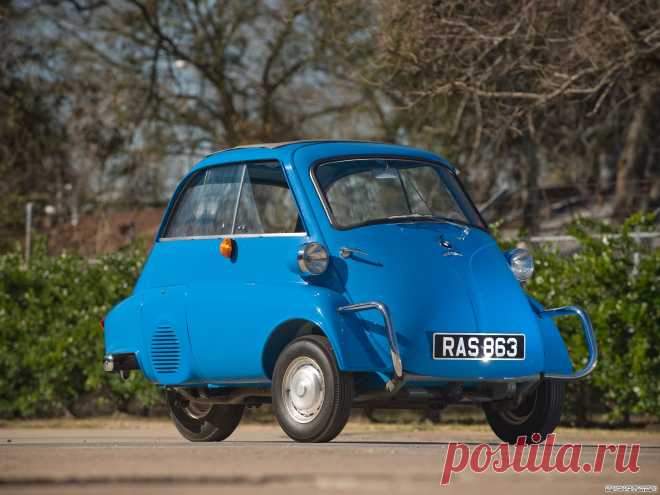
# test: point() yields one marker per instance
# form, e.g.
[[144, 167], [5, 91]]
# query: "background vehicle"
[[323, 276]]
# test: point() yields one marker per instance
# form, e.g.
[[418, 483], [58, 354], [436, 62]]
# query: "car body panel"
[[427, 292], [226, 337], [122, 328]]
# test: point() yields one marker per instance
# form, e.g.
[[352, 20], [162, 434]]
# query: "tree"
[[203, 75], [32, 148], [518, 73]]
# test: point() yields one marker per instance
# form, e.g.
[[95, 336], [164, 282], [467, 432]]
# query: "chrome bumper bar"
[[589, 336], [397, 365], [125, 361], [389, 328], [108, 363]]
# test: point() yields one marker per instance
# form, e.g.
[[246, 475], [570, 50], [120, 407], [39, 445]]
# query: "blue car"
[[319, 276]]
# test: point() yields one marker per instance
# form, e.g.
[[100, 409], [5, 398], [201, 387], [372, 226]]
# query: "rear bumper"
[[126, 361], [401, 377]]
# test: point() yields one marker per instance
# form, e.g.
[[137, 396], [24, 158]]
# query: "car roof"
[[281, 144], [314, 150]]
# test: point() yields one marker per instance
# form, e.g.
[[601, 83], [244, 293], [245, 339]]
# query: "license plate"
[[482, 346]]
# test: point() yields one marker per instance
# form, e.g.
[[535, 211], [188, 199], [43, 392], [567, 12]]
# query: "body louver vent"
[[165, 350]]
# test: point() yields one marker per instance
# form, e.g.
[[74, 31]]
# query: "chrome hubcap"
[[303, 389], [197, 410]]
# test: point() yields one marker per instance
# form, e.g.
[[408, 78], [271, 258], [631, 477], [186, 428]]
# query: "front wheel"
[[539, 412], [312, 398], [200, 422]]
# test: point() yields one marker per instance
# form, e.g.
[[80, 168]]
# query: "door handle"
[[347, 252]]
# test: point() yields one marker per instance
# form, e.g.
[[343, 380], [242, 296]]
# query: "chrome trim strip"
[[391, 335], [479, 379], [589, 336], [274, 146], [169, 210], [233, 236], [238, 199]]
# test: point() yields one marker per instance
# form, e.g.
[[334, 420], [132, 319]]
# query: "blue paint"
[[196, 317]]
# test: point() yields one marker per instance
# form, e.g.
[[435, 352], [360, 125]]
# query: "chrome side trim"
[[391, 335], [589, 336], [170, 209], [238, 199], [479, 379], [233, 236], [273, 146]]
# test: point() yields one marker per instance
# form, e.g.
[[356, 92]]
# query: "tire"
[[321, 409], [203, 423], [539, 413]]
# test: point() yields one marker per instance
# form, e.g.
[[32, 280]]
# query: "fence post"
[[28, 231]]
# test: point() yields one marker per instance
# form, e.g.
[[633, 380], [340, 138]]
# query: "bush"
[[51, 344], [617, 280]]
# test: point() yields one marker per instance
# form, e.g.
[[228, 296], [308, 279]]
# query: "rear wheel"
[[200, 422], [539, 412], [312, 398]]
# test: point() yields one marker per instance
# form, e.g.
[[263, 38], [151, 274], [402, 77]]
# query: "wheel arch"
[[285, 333], [315, 312]]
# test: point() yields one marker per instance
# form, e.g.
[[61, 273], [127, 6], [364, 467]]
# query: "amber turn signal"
[[227, 247]]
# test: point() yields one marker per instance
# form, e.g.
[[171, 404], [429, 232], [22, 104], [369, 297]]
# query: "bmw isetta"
[[324, 275]]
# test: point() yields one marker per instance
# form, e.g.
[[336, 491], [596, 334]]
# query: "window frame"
[[328, 211], [183, 189]]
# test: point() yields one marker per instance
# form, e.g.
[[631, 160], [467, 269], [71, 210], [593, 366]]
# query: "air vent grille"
[[165, 351]]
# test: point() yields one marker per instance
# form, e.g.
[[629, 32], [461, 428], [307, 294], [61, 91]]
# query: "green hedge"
[[51, 342], [617, 280]]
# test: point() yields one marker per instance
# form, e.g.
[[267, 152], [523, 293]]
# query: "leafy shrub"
[[51, 344], [617, 280]]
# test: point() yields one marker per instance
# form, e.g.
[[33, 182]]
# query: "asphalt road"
[[149, 457]]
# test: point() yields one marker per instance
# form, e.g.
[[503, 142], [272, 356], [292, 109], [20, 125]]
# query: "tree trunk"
[[531, 204], [625, 194]]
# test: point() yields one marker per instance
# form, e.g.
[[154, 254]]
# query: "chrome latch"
[[346, 252]]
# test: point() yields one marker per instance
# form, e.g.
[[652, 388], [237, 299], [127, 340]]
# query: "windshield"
[[367, 191]]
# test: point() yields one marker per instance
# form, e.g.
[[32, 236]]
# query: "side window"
[[266, 205], [208, 205]]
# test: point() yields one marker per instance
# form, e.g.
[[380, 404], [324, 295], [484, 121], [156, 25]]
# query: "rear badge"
[[479, 346]]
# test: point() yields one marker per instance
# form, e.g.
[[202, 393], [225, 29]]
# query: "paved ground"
[[139, 457]]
